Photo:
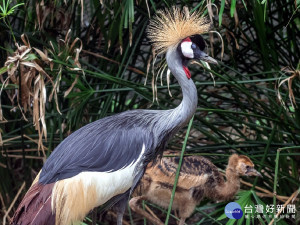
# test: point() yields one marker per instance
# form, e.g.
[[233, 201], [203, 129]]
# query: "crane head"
[[245, 167], [175, 28], [193, 48]]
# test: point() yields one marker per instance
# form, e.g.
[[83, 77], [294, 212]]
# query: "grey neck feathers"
[[184, 112]]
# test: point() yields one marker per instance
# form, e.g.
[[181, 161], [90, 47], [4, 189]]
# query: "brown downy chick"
[[198, 178]]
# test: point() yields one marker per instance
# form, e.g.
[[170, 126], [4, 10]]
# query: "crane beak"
[[198, 54]]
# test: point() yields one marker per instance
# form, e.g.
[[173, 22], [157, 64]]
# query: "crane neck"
[[184, 112]]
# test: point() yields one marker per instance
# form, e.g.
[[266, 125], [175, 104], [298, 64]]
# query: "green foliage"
[[239, 112], [5, 11]]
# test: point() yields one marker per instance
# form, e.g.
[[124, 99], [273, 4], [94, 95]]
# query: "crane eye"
[[193, 46]]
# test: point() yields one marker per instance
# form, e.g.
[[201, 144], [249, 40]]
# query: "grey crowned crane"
[[102, 162]]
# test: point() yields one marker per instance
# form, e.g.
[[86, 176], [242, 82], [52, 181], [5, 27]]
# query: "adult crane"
[[102, 162]]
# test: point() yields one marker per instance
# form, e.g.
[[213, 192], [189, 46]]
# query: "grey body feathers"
[[106, 145], [115, 142]]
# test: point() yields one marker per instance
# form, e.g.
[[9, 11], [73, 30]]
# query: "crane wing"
[[106, 145]]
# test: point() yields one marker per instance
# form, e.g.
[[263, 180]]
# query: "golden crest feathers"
[[169, 27]]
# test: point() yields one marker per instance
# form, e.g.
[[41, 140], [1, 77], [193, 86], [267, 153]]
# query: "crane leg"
[[120, 207]]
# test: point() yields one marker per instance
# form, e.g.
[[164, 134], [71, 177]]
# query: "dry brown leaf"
[[56, 85], [236, 18], [44, 57], [222, 51], [33, 85], [34, 78], [25, 41], [67, 92], [25, 90], [1, 140], [235, 40], [289, 80]]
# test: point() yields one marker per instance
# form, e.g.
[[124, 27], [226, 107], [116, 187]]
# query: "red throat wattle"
[[187, 72]]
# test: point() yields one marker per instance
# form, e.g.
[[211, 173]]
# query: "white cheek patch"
[[186, 49]]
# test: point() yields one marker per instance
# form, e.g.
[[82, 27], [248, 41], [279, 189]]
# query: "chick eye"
[[248, 167], [193, 46]]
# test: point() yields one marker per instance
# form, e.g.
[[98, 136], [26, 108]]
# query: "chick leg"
[[182, 221], [134, 205]]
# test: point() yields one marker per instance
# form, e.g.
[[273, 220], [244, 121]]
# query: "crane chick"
[[198, 178]]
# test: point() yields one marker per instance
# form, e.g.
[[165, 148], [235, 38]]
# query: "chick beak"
[[258, 174], [254, 172], [198, 54]]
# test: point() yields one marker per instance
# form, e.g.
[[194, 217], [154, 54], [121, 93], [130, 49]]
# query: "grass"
[[240, 113], [178, 169]]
